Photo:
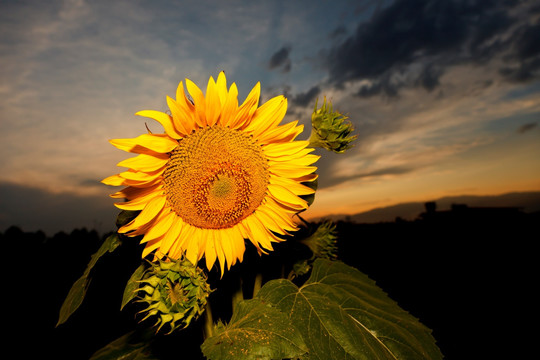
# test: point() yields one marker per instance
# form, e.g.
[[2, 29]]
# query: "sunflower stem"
[[208, 322], [237, 296], [257, 284]]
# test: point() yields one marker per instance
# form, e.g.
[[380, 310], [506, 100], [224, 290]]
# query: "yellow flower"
[[220, 173]]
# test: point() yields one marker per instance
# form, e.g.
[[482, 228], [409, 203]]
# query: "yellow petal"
[[285, 149], [296, 155], [306, 178], [213, 105], [150, 211], [268, 116], [159, 143], [143, 183], [210, 251], [114, 180], [164, 119], [199, 102], [300, 161], [180, 244], [141, 175], [132, 192], [171, 236], [269, 222], [291, 171], [181, 95], [230, 106], [283, 133], [277, 213], [247, 109], [238, 243], [162, 224], [221, 86], [292, 185], [140, 201], [182, 118], [186, 105], [145, 162], [227, 240], [258, 232], [218, 241], [285, 196], [151, 246], [192, 246]]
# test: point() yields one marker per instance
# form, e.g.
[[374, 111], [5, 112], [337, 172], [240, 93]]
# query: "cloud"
[[420, 132], [412, 43], [280, 59], [526, 127], [525, 58], [306, 98], [338, 32]]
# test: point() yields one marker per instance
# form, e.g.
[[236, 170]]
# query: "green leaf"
[[342, 314], [132, 285], [131, 346], [311, 197], [256, 331], [126, 216], [77, 292]]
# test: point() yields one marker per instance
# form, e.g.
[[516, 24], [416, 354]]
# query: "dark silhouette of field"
[[466, 273]]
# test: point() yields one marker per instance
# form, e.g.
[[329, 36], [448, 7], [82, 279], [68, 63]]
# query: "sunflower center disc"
[[216, 177]]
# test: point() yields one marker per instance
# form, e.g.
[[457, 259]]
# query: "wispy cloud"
[[527, 127], [424, 82]]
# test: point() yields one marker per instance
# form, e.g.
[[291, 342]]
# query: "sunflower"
[[221, 173]]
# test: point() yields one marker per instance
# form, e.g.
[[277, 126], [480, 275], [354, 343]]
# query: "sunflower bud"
[[175, 291], [323, 242], [330, 130]]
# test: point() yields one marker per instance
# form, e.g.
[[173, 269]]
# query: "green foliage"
[[132, 346], [77, 292], [125, 216], [323, 241], [132, 287], [311, 197], [330, 129], [257, 330], [342, 314], [175, 291]]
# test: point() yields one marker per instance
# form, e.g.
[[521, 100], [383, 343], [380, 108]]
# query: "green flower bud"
[[175, 291], [323, 242], [330, 130]]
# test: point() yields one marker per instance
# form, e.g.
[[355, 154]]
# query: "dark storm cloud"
[[429, 77], [526, 127], [306, 98], [412, 42], [338, 32], [280, 59], [526, 55]]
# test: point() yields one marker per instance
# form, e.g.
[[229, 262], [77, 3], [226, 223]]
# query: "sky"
[[444, 95]]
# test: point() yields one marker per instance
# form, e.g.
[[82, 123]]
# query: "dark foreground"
[[468, 276]]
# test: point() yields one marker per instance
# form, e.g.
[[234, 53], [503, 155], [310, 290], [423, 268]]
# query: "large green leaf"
[[77, 292], [342, 314], [256, 331]]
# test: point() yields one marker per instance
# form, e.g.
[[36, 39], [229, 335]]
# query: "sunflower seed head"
[[175, 292], [323, 242], [330, 129]]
